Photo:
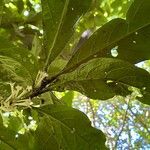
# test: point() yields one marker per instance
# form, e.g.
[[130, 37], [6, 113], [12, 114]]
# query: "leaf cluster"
[[54, 46]]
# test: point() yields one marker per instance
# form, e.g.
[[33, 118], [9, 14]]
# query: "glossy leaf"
[[60, 129], [104, 78], [59, 19]]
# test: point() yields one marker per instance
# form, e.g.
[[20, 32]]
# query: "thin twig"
[[92, 111], [123, 124]]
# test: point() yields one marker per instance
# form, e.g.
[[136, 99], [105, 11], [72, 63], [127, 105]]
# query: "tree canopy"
[[52, 52]]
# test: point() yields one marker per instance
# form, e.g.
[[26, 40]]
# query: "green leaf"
[[146, 96], [55, 100], [5, 146], [59, 19], [130, 38], [96, 45], [117, 7], [4, 89], [138, 10], [68, 98], [60, 129], [56, 66], [8, 139], [14, 123], [1, 9], [103, 78], [17, 64], [20, 5]]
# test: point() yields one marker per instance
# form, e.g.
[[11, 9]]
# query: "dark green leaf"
[[96, 45], [1, 9], [103, 78], [130, 38], [59, 19], [139, 10], [146, 96], [8, 139], [17, 64], [4, 89], [20, 5], [60, 129]]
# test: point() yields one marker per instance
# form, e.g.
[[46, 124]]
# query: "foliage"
[[125, 121], [86, 46]]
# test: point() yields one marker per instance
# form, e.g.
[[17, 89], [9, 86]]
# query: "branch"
[[140, 120], [123, 124], [92, 111], [42, 88]]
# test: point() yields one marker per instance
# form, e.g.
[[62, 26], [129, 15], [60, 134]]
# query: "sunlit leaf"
[[103, 78], [68, 98]]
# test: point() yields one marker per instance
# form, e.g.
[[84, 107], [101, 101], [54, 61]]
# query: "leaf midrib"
[[63, 124], [57, 32], [107, 45], [5, 141]]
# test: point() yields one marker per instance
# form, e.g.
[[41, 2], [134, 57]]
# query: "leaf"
[[103, 78], [47, 99], [20, 6], [55, 100], [117, 8], [17, 64], [60, 129], [130, 37], [68, 97], [1, 9], [8, 140], [59, 19], [5, 146], [96, 45], [4, 89], [146, 96], [138, 10], [36, 46], [14, 123], [56, 66]]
